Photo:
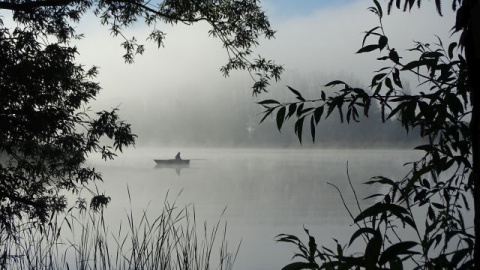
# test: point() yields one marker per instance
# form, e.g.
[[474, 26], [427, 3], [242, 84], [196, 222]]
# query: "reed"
[[82, 239]]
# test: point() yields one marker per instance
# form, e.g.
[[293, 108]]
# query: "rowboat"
[[172, 162]]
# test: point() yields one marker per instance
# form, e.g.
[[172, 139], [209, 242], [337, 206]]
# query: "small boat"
[[172, 162]]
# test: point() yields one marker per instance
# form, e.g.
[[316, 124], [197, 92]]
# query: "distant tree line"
[[238, 124]]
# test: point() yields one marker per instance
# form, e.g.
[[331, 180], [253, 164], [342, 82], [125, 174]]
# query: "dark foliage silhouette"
[[444, 110], [47, 131]]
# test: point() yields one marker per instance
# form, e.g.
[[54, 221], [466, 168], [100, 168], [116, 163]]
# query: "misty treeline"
[[228, 116]]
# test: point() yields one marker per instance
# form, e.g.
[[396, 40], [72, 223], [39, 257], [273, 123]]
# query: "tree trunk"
[[472, 54]]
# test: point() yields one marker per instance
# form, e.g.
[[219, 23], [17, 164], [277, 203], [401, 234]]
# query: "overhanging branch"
[[27, 6]]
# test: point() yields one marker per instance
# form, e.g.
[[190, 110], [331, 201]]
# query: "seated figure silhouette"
[[177, 157]]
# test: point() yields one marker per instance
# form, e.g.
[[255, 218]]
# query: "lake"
[[266, 192]]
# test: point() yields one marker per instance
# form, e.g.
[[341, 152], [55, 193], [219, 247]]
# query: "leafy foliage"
[[46, 136], [46, 130], [439, 182], [238, 24]]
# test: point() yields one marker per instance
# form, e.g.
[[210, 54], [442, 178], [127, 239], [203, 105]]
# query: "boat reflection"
[[175, 164]]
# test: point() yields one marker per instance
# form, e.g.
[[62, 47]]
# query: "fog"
[[176, 95]]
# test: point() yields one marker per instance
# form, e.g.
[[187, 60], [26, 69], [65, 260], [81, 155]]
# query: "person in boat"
[[177, 157]]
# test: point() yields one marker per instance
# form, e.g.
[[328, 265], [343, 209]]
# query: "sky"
[[315, 39], [287, 9]]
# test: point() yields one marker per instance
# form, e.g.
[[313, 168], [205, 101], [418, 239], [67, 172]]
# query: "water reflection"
[[267, 191], [177, 167]]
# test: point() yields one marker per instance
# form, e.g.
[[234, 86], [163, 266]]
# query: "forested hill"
[[228, 116]]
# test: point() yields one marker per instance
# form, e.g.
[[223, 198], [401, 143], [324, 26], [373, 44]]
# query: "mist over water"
[[227, 115], [266, 191], [176, 100]]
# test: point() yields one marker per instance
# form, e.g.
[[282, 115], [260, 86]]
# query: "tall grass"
[[82, 239]]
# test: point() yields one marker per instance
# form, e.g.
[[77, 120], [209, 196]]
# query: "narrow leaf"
[[299, 96], [280, 117], [396, 250], [413, 64], [363, 230], [388, 83], [333, 83], [318, 114], [299, 128], [300, 266], [368, 33], [267, 113], [378, 77], [451, 47], [382, 42], [379, 8], [396, 77], [268, 101], [368, 48], [312, 127], [291, 109], [372, 251]]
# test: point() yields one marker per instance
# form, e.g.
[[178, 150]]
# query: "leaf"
[[438, 4], [280, 117], [382, 42], [299, 96], [395, 111], [426, 184], [451, 47], [378, 77], [318, 114], [368, 48], [460, 255], [382, 69], [312, 128], [331, 107], [287, 238], [381, 180], [268, 101], [300, 109], [378, 88], [432, 55], [397, 249], [396, 77], [305, 111], [291, 109], [438, 206], [396, 264], [388, 83], [430, 213], [299, 128], [465, 202], [363, 230], [368, 33], [336, 82], [267, 113], [379, 8], [374, 196], [299, 266], [380, 208], [372, 251]]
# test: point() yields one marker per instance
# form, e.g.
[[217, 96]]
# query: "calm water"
[[267, 192]]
